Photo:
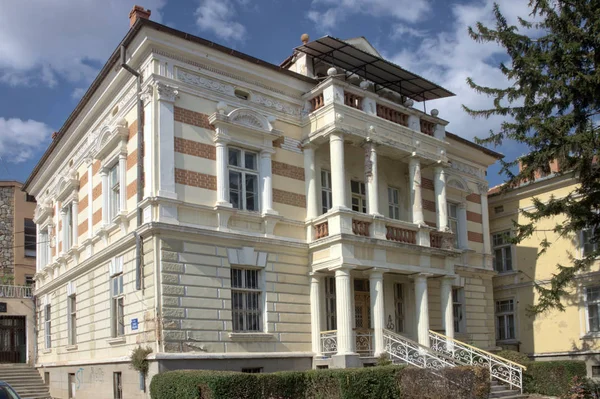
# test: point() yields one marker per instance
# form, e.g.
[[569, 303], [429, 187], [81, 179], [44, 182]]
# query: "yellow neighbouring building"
[[555, 335]]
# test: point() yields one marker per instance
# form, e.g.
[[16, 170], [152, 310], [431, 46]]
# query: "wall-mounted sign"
[[134, 324]]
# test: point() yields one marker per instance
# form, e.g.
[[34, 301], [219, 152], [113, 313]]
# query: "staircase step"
[[506, 394], [25, 380]]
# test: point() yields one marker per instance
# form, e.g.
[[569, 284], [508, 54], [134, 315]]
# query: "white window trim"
[[114, 210], [116, 271], [512, 252], [243, 170], [587, 332], [325, 189], [515, 318], [47, 325], [394, 205], [362, 198], [261, 299], [457, 243], [581, 243]]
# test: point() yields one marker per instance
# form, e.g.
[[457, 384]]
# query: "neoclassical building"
[[254, 217]]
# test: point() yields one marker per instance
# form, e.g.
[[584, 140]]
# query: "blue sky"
[[50, 51]]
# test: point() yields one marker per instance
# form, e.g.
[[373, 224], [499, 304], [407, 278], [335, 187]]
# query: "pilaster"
[[166, 140], [315, 312], [266, 182], [310, 182], [416, 197], [439, 185], [377, 310], [372, 178]]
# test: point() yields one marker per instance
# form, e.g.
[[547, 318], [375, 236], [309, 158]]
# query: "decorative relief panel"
[[467, 169]]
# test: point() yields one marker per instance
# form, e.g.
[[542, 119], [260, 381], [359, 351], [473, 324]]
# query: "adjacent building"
[[289, 216], [17, 268], [519, 266]]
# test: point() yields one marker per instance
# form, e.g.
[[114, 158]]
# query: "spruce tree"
[[552, 105]]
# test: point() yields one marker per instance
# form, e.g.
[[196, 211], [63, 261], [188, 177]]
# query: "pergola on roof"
[[379, 71]]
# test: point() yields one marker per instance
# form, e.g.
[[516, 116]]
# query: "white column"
[[266, 182], [422, 308], [63, 217], [372, 177], [338, 178], [90, 207], [315, 312], [310, 183], [105, 199], [446, 302], [462, 226], [487, 249], [56, 223], [416, 199], [166, 140], [38, 248], [75, 220], [123, 182], [222, 175], [377, 310], [344, 311], [149, 158], [439, 185]]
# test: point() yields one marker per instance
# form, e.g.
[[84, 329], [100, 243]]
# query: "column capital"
[[221, 136], [345, 268], [448, 278], [309, 146], [166, 93], [267, 152], [421, 276], [483, 188], [376, 272], [336, 136]]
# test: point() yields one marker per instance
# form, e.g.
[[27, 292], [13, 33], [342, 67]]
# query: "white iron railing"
[[404, 350], [15, 291], [328, 342], [500, 369], [364, 342]]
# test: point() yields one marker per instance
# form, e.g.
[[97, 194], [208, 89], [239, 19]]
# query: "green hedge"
[[388, 382], [552, 378]]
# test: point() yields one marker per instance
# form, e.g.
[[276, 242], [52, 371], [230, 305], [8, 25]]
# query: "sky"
[[51, 50]]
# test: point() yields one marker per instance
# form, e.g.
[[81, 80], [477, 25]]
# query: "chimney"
[[136, 13]]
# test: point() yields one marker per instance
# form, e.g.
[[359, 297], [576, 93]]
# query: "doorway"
[[72, 386], [13, 343], [362, 304]]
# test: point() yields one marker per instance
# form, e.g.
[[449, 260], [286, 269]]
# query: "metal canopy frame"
[[384, 74]]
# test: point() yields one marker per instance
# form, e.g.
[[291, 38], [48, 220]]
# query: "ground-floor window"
[[399, 306], [457, 309], [505, 319], [330, 303], [252, 370], [246, 300], [117, 385]]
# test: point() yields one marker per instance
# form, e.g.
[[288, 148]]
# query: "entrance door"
[[362, 304], [13, 344]]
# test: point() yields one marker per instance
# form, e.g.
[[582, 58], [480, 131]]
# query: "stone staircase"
[[25, 380], [504, 392]]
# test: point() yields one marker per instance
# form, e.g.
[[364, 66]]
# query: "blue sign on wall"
[[134, 324]]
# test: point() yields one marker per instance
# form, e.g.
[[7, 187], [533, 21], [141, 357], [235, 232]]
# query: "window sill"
[[46, 351], [590, 335], [116, 341], [508, 342], [71, 347], [508, 273], [253, 337]]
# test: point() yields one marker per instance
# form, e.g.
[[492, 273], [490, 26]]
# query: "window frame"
[[243, 171], [72, 319], [504, 247], [504, 315], [31, 246], [117, 385], [68, 244], [246, 292], [583, 242], [399, 303], [326, 191], [587, 303], [114, 191], [458, 301], [48, 326], [360, 196], [393, 207], [453, 220], [117, 298]]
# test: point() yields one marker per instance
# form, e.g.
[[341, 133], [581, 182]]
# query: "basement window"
[[241, 94], [252, 370]]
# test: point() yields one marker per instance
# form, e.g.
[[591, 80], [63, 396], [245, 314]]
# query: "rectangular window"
[[505, 320], [29, 198], [47, 377], [72, 319], [30, 238], [596, 371], [359, 199], [72, 385], [114, 204], [399, 306], [69, 228], [453, 221], [48, 326], [502, 251], [243, 179], [457, 309], [117, 298], [29, 280], [330, 314], [587, 246], [394, 203], [326, 193], [592, 296], [252, 370], [117, 385], [44, 242], [246, 300]]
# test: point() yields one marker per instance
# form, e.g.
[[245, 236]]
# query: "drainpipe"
[[140, 166], [35, 331]]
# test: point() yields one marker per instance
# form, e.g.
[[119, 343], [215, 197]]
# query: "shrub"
[[515, 356], [139, 359], [552, 378], [388, 382]]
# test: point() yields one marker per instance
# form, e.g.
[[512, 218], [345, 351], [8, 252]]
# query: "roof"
[[485, 150], [10, 183], [371, 67], [115, 57]]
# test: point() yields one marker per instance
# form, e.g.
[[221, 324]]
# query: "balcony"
[[15, 291]]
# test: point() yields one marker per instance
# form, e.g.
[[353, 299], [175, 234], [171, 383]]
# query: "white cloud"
[[450, 57], [78, 92], [327, 13], [43, 40], [218, 17], [400, 31], [20, 140]]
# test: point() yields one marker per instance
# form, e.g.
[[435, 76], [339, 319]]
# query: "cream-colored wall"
[[536, 333]]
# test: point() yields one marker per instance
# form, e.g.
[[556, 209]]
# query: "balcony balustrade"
[[427, 127], [321, 230], [363, 340], [399, 234], [15, 291], [317, 102], [392, 115], [352, 100], [360, 227], [435, 239]]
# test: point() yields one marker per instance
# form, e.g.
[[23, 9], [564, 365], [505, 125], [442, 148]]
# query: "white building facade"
[[290, 218]]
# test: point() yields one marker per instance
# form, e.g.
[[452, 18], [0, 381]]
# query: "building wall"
[[24, 265], [7, 230]]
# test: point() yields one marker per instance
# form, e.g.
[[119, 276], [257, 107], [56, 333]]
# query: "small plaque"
[[134, 324]]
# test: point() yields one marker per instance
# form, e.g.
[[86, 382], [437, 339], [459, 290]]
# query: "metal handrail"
[[328, 342], [414, 353], [500, 369], [15, 291]]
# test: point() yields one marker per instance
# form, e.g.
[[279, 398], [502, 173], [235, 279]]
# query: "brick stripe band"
[[97, 191], [97, 216], [427, 184], [190, 147], [192, 118], [475, 237], [474, 217], [476, 198], [287, 170], [195, 179], [83, 204], [83, 227], [428, 205], [289, 198]]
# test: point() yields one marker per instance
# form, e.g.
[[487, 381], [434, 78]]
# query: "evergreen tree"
[[553, 107]]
